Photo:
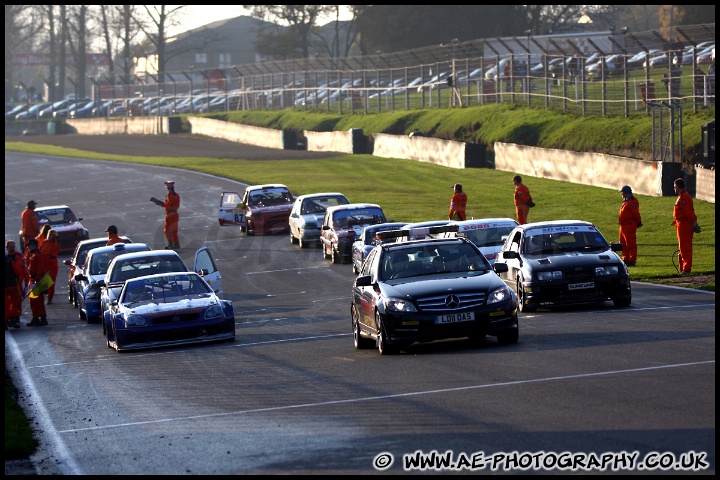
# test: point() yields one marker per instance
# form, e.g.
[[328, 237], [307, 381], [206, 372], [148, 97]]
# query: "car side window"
[[515, 243], [367, 266]]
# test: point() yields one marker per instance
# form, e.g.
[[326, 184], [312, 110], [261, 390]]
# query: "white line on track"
[[397, 395]]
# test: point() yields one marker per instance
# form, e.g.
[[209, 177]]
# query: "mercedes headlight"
[[399, 305], [499, 295]]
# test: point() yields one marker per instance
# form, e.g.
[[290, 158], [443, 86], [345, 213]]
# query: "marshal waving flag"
[[41, 286]]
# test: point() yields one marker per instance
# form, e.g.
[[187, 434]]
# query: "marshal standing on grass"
[[685, 223], [629, 220], [458, 203], [171, 206]]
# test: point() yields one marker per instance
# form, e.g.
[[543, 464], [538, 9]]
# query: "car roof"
[[149, 253], [554, 223], [314, 195], [425, 241], [52, 207], [120, 247], [476, 221], [352, 206], [267, 185], [429, 223]]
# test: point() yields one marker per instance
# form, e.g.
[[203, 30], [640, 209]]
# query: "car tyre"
[[82, 316], [335, 256], [522, 298], [71, 295], [355, 269], [326, 255], [622, 302], [294, 241], [359, 341], [383, 345], [509, 337], [302, 243]]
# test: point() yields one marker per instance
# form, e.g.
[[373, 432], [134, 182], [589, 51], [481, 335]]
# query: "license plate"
[[455, 317], [581, 286]]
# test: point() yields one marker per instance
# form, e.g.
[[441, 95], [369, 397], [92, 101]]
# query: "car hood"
[[170, 304], [442, 283], [65, 227], [271, 209], [572, 259]]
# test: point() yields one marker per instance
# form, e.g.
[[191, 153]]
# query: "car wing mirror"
[[510, 254], [80, 277], [67, 262], [363, 281], [616, 247], [500, 267]]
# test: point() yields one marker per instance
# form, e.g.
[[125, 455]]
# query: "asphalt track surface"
[[182, 145], [291, 395]]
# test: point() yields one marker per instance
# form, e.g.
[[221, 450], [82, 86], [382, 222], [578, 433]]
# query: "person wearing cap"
[[16, 277], [171, 206], [113, 236], [521, 198], [458, 203], [685, 223], [30, 222], [51, 248], [629, 220], [37, 268]]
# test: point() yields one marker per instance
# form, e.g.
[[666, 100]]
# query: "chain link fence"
[[610, 73]]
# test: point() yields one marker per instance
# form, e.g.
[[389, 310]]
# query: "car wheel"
[[75, 299], [326, 255], [522, 306], [355, 269], [509, 337], [335, 256], [71, 294], [302, 243], [294, 240], [382, 340], [359, 341], [622, 302], [82, 316]]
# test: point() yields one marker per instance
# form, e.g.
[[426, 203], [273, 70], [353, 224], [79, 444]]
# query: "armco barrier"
[[607, 171], [235, 132], [600, 170], [330, 141], [448, 153], [117, 125]]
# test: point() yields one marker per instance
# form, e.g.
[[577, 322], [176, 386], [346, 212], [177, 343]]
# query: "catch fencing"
[[604, 73]]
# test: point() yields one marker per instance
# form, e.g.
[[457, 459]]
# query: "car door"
[[205, 263], [231, 210], [513, 261]]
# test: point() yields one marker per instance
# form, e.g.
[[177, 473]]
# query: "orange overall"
[[13, 293], [629, 219], [30, 224], [522, 197], [683, 219], [458, 203], [114, 238], [51, 248], [171, 205]]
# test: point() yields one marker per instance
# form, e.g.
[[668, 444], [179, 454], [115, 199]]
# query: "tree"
[[77, 41], [22, 24], [160, 18], [300, 21]]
